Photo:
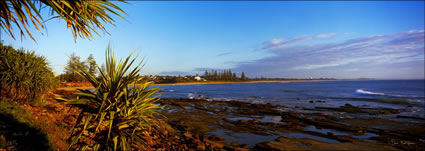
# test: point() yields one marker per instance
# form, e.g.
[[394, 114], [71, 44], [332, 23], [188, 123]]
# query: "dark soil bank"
[[232, 125]]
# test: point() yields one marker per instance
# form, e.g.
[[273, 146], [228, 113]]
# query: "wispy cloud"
[[175, 73], [374, 56], [224, 54], [272, 43], [281, 43]]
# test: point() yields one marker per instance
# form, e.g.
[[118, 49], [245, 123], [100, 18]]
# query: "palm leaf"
[[125, 109], [83, 17]]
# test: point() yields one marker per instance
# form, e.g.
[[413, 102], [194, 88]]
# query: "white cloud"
[[325, 35], [280, 43], [384, 55]]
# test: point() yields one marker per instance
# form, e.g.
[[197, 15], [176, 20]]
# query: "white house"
[[197, 78]]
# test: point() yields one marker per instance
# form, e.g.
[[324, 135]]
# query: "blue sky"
[[271, 39]]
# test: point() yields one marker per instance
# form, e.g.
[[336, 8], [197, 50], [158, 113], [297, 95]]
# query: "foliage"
[[24, 75], [243, 76], [82, 16], [225, 75], [92, 68], [74, 61], [117, 113]]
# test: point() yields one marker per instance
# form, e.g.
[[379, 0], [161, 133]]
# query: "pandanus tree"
[[120, 109], [83, 17], [24, 76]]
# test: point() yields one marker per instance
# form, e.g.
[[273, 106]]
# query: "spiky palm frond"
[[117, 112], [82, 16]]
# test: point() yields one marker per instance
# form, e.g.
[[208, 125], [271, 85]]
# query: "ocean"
[[310, 94]]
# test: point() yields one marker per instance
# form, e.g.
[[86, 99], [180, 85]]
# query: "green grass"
[[9, 108], [18, 129]]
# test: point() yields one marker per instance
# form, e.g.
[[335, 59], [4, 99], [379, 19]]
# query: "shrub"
[[117, 113], [24, 75]]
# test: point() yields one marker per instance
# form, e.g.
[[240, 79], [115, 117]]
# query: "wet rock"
[[215, 137], [411, 117], [200, 147], [234, 144], [317, 101], [206, 116], [244, 146], [240, 149], [188, 135], [227, 120], [243, 121], [214, 143], [283, 144], [256, 121], [326, 123]]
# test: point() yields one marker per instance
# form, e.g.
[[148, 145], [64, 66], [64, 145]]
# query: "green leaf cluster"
[[118, 112], [83, 17], [24, 75]]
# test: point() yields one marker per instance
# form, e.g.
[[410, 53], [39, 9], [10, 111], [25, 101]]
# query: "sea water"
[[365, 93]]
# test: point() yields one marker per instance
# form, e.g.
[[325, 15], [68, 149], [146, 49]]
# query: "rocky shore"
[[199, 124], [233, 125]]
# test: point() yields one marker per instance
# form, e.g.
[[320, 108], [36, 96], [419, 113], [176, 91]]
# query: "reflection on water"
[[364, 136], [302, 135]]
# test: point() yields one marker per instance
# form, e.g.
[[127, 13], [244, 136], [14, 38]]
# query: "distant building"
[[197, 78]]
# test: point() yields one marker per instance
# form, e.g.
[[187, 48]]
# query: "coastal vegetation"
[[26, 82], [74, 61], [117, 113], [120, 110], [82, 17], [208, 77], [124, 113], [224, 75], [24, 76]]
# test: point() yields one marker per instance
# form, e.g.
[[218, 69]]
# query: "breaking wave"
[[363, 92]]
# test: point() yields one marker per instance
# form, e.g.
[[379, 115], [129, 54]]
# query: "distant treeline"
[[283, 79], [209, 75], [224, 75], [73, 63]]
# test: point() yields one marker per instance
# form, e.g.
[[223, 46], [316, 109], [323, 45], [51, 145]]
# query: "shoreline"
[[220, 82], [266, 127], [205, 83], [236, 125]]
